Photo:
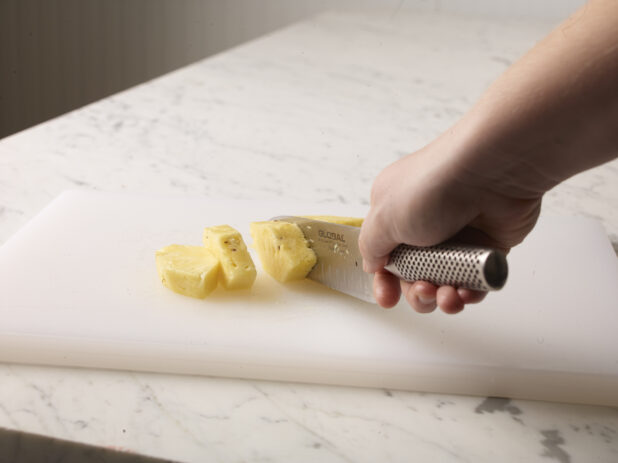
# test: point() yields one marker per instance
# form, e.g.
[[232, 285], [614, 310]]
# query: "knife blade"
[[340, 264]]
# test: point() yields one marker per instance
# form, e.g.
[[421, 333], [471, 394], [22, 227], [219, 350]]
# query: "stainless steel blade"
[[339, 265]]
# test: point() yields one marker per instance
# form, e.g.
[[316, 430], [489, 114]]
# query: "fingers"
[[424, 297], [374, 243], [420, 295], [469, 296], [449, 300], [386, 289]]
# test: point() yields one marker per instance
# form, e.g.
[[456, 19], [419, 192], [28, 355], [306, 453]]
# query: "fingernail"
[[426, 300]]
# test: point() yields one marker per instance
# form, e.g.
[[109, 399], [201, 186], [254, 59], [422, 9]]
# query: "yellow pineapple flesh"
[[352, 221], [237, 268], [188, 270], [283, 250]]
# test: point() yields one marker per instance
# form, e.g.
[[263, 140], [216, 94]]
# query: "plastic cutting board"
[[78, 287]]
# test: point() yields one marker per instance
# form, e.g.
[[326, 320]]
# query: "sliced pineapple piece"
[[283, 250], [189, 270], [352, 221], [237, 268]]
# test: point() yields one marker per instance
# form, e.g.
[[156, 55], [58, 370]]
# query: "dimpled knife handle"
[[462, 266]]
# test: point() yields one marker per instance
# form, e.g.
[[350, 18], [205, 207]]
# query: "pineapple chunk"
[[283, 250], [352, 221], [237, 269], [189, 270]]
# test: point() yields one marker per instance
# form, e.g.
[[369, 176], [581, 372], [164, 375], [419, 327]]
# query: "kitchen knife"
[[340, 264]]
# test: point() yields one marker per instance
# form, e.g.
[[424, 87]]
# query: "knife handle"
[[462, 266]]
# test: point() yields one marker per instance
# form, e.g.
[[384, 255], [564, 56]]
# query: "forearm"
[[553, 113]]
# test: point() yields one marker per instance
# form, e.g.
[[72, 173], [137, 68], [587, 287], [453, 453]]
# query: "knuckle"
[[362, 244]]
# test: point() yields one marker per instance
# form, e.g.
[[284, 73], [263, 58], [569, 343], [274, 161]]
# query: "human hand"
[[549, 116], [429, 197]]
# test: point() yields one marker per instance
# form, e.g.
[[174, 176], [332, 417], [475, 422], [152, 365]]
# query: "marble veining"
[[312, 112], [230, 420]]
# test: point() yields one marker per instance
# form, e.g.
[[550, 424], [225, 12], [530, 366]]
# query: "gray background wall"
[[57, 55]]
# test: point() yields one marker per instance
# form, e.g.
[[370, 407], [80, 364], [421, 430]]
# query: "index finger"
[[375, 243]]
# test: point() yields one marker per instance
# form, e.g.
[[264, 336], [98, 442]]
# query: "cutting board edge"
[[514, 383]]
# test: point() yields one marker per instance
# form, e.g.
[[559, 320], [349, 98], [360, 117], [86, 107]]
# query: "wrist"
[[491, 152]]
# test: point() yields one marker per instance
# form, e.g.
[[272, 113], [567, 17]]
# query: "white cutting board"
[[78, 287]]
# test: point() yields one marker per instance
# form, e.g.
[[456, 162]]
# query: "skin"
[[552, 114]]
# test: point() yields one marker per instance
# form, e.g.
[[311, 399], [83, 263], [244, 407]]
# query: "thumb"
[[375, 243]]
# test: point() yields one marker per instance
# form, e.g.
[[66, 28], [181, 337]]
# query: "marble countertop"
[[312, 112]]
